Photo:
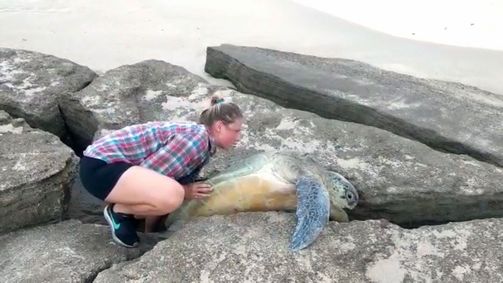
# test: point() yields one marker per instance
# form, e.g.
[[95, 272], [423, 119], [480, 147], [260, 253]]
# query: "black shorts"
[[98, 177]]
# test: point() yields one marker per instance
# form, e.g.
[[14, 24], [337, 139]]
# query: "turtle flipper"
[[313, 211], [338, 214]]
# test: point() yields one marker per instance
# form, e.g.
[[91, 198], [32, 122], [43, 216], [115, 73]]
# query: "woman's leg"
[[142, 191], [139, 191]]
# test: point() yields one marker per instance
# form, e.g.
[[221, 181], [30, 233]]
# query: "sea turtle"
[[277, 181]]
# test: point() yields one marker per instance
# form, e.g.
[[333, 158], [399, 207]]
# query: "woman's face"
[[227, 135]]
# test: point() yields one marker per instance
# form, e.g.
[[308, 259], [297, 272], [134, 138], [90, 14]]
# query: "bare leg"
[[141, 191], [142, 210]]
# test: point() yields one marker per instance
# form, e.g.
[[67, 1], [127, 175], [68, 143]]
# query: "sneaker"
[[122, 226]]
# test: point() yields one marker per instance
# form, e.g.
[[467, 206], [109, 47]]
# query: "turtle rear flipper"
[[313, 212]]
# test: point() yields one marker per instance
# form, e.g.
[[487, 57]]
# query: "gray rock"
[[65, 252], [36, 170], [399, 179], [84, 206], [31, 84], [252, 247], [127, 95], [444, 115]]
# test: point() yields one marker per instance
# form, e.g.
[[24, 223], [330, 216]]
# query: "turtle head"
[[342, 193]]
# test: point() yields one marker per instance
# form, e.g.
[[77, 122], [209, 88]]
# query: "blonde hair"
[[219, 110]]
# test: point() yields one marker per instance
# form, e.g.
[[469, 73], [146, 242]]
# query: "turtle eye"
[[349, 196]]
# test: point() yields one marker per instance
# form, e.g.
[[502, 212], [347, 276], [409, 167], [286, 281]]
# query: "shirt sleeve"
[[180, 156]]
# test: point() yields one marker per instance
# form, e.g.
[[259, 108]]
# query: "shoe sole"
[[110, 224]]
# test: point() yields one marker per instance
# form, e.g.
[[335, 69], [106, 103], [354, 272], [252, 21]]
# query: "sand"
[[456, 40]]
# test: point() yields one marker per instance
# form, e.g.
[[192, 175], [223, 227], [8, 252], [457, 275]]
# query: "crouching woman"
[[147, 170]]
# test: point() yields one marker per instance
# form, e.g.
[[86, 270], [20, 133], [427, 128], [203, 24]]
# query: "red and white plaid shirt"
[[172, 149]]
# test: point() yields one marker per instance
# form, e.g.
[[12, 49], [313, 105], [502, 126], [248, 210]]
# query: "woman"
[[147, 170]]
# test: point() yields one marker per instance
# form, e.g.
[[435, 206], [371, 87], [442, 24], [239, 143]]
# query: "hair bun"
[[216, 100], [225, 111]]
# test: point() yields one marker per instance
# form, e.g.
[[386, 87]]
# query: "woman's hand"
[[197, 190]]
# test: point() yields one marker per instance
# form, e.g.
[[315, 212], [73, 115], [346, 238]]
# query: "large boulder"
[[31, 84], [399, 179], [127, 95], [65, 252], [253, 248], [36, 170], [444, 115]]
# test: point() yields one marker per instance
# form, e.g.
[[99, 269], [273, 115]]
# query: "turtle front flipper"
[[338, 214], [313, 212]]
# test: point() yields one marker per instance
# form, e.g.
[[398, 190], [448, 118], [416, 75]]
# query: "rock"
[[399, 179], [31, 84], [65, 252], [444, 115], [252, 247], [36, 170], [127, 95], [84, 206]]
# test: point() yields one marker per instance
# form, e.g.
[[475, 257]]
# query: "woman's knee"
[[171, 199], [139, 185]]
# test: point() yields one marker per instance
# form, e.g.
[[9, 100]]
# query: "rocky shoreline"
[[429, 156]]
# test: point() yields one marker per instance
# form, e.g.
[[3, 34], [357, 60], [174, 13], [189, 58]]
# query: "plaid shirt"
[[172, 149]]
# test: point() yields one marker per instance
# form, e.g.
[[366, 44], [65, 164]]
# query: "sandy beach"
[[456, 40]]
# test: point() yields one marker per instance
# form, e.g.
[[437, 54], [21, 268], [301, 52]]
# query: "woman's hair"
[[219, 110]]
